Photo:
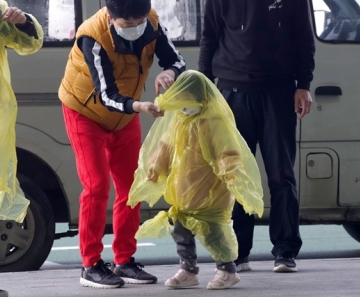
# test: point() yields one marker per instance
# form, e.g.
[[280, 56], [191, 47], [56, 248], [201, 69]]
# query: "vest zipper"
[[92, 95], [138, 80], [140, 67]]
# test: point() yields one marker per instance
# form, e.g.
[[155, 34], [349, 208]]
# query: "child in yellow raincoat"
[[24, 34], [195, 157]]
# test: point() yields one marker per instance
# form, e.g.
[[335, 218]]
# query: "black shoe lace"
[[136, 265], [105, 267]]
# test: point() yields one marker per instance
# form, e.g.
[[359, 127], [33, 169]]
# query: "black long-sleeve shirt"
[[255, 44], [101, 68], [28, 27]]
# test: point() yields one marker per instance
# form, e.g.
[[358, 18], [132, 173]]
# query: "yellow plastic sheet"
[[13, 204], [199, 164]]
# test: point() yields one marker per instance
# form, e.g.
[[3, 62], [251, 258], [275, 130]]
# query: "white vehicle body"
[[328, 160]]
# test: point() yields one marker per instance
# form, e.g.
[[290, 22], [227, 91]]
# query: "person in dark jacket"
[[101, 91], [262, 54]]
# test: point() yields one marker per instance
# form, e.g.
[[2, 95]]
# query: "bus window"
[[337, 21], [58, 18], [182, 18]]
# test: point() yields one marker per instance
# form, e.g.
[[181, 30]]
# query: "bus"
[[328, 139]]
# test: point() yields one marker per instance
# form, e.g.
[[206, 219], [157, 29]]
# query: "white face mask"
[[132, 33], [191, 111]]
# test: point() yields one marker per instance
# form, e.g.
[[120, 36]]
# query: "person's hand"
[[152, 174], [230, 179], [14, 15], [164, 79], [303, 102], [147, 107]]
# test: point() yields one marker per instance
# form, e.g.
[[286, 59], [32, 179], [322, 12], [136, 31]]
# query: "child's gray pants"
[[186, 249]]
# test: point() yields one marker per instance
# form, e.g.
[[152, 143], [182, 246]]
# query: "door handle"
[[328, 91]]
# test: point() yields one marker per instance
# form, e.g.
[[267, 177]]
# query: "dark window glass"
[[337, 21], [182, 18], [57, 17]]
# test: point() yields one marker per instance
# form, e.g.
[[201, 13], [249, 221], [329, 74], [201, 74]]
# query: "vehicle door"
[[330, 134]]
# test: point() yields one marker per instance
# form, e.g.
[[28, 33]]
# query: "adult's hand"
[[164, 79], [147, 107], [303, 102], [14, 15]]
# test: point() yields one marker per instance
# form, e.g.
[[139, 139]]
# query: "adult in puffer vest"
[[103, 82]]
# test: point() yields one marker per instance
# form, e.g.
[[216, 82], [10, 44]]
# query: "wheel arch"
[[47, 179], [353, 229]]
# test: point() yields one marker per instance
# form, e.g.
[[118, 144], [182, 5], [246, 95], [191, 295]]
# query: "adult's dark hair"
[[127, 9]]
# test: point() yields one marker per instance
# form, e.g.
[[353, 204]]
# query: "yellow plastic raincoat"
[[13, 204], [200, 164]]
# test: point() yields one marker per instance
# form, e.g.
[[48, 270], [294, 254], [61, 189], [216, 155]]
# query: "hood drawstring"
[[278, 13], [243, 16]]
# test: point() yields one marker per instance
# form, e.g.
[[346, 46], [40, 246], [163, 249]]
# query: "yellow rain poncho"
[[13, 204], [200, 164]]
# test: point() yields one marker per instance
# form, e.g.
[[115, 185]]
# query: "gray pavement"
[[320, 277]]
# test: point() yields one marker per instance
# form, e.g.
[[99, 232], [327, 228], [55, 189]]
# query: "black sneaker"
[[284, 264], [100, 276], [3, 293], [242, 264], [132, 273]]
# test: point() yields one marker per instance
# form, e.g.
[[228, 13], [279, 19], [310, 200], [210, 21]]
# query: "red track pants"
[[98, 155]]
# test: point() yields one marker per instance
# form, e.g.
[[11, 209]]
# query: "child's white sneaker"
[[223, 280], [183, 279]]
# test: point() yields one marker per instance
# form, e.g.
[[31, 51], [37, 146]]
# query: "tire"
[[27, 245], [353, 230]]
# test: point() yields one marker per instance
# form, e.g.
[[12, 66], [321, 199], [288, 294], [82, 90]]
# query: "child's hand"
[[152, 174], [230, 180]]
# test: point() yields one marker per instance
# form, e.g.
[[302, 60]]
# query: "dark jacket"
[[256, 44]]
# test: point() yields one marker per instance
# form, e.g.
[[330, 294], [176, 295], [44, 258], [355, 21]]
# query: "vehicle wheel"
[[353, 230], [26, 246]]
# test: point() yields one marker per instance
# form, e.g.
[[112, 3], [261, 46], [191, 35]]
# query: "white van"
[[328, 161]]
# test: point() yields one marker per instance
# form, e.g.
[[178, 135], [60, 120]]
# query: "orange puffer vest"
[[77, 90]]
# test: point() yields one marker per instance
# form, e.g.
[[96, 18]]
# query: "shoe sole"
[[179, 286], [284, 268], [137, 281], [234, 282], [243, 267], [87, 283]]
